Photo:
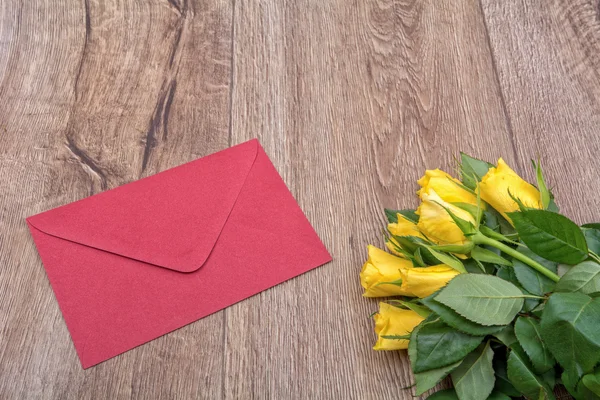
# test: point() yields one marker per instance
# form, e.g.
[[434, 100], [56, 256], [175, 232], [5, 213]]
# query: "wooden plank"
[[352, 100], [547, 64], [93, 97], [547, 58]]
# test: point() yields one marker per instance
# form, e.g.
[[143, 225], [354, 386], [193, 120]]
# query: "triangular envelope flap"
[[172, 219]]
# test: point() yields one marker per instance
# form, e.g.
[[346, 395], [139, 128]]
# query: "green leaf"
[[498, 396], [472, 170], [484, 299], [523, 378], [529, 278], [447, 394], [583, 277], [484, 255], [592, 381], [470, 208], [592, 225], [476, 267], [454, 248], [549, 377], [541, 183], [508, 274], [503, 384], [419, 258], [517, 200], [528, 333], [553, 206], [396, 337], [465, 226], [506, 336], [427, 257], [570, 379], [489, 232], [406, 243], [570, 330], [447, 259], [592, 238], [456, 321], [408, 214], [416, 247], [551, 235], [422, 311], [496, 221], [439, 345], [428, 379], [474, 378], [397, 282]]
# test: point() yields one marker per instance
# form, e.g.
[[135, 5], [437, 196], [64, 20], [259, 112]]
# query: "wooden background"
[[352, 100]]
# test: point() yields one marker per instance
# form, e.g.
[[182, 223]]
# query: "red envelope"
[[133, 263]]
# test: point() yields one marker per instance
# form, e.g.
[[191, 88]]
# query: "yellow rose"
[[422, 282], [448, 188], [394, 321], [382, 267], [496, 184], [437, 224], [403, 227]]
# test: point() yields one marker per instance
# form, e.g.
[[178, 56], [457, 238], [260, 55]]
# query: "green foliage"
[[484, 299], [484, 255], [392, 215], [524, 310], [427, 379], [592, 382], [541, 183], [448, 259], [498, 396], [583, 277], [472, 170], [524, 379], [475, 211], [439, 345], [422, 311], [503, 384], [474, 378], [506, 336], [457, 321], [592, 238], [569, 328], [531, 280], [528, 333], [495, 221], [447, 394], [551, 235], [508, 274]]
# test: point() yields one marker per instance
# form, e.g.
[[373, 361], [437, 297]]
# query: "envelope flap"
[[172, 219]]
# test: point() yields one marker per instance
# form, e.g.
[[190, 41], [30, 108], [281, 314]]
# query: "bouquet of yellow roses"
[[492, 286]]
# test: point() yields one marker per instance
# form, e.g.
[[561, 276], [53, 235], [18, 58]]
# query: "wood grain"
[[352, 100], [112, 92], [351, 114], [548, 66]]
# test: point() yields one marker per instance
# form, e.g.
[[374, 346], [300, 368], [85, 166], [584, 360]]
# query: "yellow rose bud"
[[394, 321], [403, 227], [382, 268], [448, 188], [499, 181], [422, 282], [437, 224]]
